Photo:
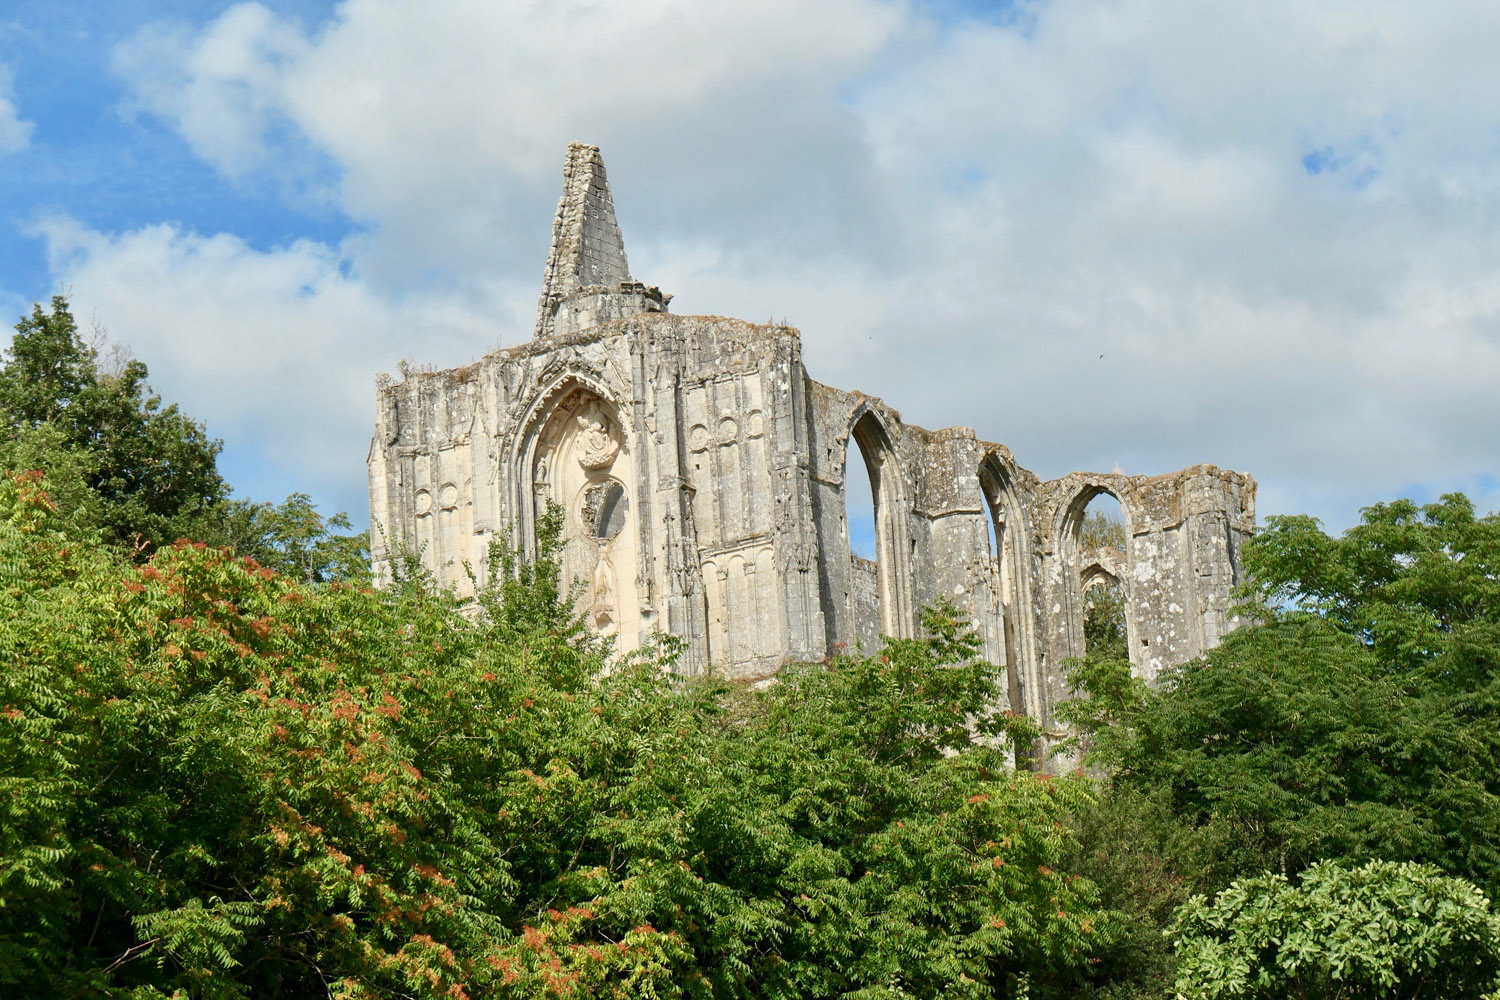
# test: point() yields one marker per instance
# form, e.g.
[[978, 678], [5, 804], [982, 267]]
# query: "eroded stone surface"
[[721, 465]]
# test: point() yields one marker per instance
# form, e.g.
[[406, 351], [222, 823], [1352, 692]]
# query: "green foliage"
[[291, 538], [1366, 729], [1384, 930], [127, 466], [1145, 864], [1356, 715], [1291, 734], [1105, 692], [1101, 529], [1419, 585], [121, 466], [1104, 629], [218, 780]]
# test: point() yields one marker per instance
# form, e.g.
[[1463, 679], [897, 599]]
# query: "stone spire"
[[587, 250]]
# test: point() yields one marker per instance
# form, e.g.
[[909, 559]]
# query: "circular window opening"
[[605, 506]]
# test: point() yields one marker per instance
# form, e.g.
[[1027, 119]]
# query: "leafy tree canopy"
[[1419, 585], [1101, 529], [121, 465], [140, 472], [219, 780], [292, 538], [1363, 727], [1354, 715]]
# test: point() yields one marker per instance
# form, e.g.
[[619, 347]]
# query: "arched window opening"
[[1104, 632], [879, 600], [1103, 525], [859, 504], [863, 535], [995, 523], [1101, 557], [1002, 580], [581, 467]]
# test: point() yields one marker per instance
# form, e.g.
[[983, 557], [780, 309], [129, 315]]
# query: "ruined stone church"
[[701, 473]]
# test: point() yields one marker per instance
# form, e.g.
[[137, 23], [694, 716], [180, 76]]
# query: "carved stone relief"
[[583, 466]]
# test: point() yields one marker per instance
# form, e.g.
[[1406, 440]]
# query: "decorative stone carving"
[[600, 441], [582, 464], [602, 594]]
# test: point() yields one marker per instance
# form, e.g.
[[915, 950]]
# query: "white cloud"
[[277, 347], [223, 87], [961, 217], [15, 134]]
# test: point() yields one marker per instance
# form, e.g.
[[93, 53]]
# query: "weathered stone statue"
[[701, 474]]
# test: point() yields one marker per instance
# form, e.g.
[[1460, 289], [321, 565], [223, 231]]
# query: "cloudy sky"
[[1131, 234]]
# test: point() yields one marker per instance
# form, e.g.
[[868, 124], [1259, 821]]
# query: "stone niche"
[[700, 473], [583, 468]]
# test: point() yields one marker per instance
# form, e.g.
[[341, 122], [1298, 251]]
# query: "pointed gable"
[[587, 249]]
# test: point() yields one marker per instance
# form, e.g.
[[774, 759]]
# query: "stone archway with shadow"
[[1012, 609], [880, 589], [1085, 567], [576, 458]]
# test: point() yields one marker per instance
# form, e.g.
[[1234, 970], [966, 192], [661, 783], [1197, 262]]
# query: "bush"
[[1392, 931]]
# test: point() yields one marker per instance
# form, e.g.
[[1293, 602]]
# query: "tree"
[[121, 464], [1354, 715], [1367, 725], [1104, 628], [1418, 585], [139, 472], [1383, 930], [291, 538], [1101, 529]]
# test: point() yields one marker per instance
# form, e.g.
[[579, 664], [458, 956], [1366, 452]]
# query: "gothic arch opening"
[[1096, 537], [859, 503], [873, 504], [1010, 593], [580, 462]]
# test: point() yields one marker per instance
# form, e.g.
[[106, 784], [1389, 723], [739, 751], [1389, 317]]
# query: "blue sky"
[[111, 168], [1277, 225]]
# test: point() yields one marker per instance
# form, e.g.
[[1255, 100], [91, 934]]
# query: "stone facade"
[[700, 471]]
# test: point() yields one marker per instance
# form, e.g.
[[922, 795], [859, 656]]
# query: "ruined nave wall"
[[729, 527], [956, 517]]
